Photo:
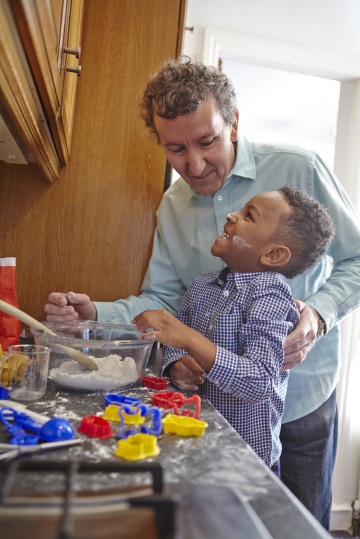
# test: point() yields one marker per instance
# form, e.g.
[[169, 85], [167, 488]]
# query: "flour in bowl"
[[113, 373]]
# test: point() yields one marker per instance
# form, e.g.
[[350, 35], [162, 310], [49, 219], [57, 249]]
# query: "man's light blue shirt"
[[187, 225]]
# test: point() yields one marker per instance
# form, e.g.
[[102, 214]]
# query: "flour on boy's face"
[[249, 233], [237, 240]]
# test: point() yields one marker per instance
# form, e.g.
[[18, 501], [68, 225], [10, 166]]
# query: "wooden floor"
[[342, 534]]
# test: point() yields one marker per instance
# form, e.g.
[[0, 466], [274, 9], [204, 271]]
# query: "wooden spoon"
[[33, 323]]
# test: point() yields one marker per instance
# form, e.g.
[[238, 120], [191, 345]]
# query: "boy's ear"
[[277, 255]]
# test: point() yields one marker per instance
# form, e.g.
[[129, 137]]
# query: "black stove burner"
[[163, 506]]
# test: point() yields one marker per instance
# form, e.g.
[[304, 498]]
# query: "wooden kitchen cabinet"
[[49, 28], [91, 231]]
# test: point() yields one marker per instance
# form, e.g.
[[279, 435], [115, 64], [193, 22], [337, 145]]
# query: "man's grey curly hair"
[[179, 87]]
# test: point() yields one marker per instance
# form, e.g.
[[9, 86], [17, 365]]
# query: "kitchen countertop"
[[215, 476]]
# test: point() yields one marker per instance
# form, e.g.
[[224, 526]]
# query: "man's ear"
[[277, 255], [234, 128]]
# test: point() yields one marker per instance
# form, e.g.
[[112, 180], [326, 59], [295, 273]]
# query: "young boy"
[[232, 324]]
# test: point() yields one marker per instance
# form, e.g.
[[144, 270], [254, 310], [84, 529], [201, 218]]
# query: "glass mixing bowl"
[[121, 356]]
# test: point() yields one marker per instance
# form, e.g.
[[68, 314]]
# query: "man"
[[192, 111]]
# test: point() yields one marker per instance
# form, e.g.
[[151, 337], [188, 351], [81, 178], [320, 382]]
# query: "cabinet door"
[[45, 28], [73, 40]]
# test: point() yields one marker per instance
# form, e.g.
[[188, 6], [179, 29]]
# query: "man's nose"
[[196, 163]]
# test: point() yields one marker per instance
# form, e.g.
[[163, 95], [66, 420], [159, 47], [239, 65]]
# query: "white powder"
[[113, 373]]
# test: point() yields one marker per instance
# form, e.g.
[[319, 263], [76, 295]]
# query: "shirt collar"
[[244, 166], [240, 279]]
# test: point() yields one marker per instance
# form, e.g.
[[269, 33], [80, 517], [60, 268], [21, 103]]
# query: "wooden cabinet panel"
[[91, 231], [71, 79], [18, 97], [46, 27]]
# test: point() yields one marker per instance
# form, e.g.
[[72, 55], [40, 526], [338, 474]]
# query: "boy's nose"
[[232, 217]]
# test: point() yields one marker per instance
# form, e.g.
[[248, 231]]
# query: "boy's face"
[[247, 233], [199, 146]]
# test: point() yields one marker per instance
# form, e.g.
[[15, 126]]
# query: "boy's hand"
[[164, 327], [186, 374]]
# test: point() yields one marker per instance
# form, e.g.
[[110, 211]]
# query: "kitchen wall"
[[91, 231]]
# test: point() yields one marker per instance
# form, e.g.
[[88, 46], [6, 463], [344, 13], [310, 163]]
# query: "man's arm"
[[340, 294]]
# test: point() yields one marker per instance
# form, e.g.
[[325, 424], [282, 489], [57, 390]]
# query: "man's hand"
[[300, 341], [62, 307], [186, 374]]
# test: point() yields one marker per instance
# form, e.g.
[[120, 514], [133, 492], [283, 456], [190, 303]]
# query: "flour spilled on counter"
[[113, 373]]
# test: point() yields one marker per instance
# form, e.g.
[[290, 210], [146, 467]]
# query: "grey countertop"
[[214, 476]]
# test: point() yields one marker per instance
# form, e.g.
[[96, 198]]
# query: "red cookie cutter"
[[170, 399], [165, 399], [96, 427], [154, 382]]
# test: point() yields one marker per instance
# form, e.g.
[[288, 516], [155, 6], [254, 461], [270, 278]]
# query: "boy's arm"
[[170, 331]]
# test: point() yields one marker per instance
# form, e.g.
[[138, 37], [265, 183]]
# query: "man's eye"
[[208, 143]]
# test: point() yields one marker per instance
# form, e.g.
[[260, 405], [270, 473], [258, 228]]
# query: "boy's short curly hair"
[[307, 231], [180, 86]]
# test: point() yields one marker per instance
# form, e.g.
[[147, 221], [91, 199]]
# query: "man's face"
[[199, 146], [249, 233]]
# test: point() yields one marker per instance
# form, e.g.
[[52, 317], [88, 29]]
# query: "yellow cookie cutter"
[[138, 447], [112, 414], [183, 426]]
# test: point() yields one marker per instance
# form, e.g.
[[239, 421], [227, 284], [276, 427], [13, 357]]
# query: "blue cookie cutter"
[[144, 411], [113, 398]]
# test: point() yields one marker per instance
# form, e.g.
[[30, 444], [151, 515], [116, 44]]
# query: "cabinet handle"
[[76, 52], [76, 70]]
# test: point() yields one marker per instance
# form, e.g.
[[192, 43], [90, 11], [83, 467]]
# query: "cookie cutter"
[[184, 426], [53, 430], [112, 398], [144, 411], [96, 427], [164, 399], [3, 393], [112, 413], [138, 447], [170, 399], [154, 382]]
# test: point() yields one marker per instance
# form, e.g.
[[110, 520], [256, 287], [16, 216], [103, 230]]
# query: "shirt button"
[[226, 293], [211, 326], [220, 198]]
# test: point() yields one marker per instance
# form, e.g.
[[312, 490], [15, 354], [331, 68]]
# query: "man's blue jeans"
[[308, 458]]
